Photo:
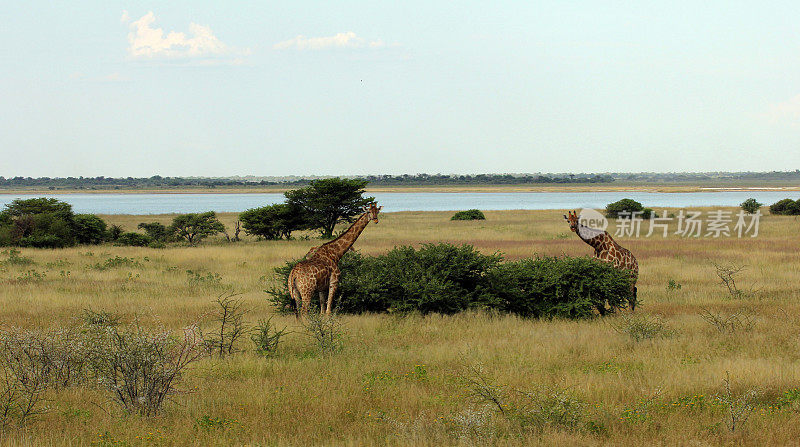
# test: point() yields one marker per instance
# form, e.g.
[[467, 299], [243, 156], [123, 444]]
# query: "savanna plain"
[[697, 364]]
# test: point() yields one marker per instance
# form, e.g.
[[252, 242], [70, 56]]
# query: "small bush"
[[157, 232], [133, 239], [751, 205], [141, 368], [266, 337], [116, 262], [229, 319], [627, 206], [89, 229], [325, 331], [15, 258], [742, 320], [642, 327], [786, 207], [472, 214]]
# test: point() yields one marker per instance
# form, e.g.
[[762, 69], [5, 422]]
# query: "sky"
[[199, 88]]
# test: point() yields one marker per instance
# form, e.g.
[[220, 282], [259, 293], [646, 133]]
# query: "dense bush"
[[787, 207], [157, 232], [751, 205], [627, 206], [446, 279], [89, 229], [48, 223], [469, 215], [133, 239], [561, 287]]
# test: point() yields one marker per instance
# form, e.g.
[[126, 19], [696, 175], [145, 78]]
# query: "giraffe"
[[319, 271], [608, 250]]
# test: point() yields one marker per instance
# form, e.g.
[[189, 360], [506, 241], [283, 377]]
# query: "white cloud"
[[145, 41], [787, 111], [340, 40]]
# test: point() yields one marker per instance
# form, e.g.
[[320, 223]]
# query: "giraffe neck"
[[598, 241], [339, 246]]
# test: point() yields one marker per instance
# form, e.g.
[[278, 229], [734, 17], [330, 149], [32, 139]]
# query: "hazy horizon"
[[218, 90]]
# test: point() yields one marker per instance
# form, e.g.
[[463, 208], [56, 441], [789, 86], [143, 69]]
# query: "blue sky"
[[328, 88]]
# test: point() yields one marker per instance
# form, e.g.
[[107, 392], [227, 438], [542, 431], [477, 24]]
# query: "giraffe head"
[[572, 218], [372, 211]]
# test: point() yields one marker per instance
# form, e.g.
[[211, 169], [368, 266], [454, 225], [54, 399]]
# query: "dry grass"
[[395, 380]]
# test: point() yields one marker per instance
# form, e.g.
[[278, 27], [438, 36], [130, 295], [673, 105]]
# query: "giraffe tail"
[[634, 299]]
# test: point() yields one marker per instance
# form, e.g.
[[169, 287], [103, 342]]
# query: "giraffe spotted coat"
[[319, 272], [608, 250]]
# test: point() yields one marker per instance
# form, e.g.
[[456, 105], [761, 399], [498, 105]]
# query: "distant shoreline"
[[427, 189]]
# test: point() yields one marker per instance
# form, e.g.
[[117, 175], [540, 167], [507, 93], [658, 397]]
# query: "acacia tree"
[[326, 202], [273, 221], [194, 227]]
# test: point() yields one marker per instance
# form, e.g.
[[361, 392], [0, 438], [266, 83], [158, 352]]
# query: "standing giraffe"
[[319, 271], [607, 249]]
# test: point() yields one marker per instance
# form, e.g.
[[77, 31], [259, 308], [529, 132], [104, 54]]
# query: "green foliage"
[[194, 227], [15, 258], [41, 222], [613, 210], [156, 231], [89, 229], [559, 287], [751, 205], [133, 239], [266, 337], [114, 232], [444, 278], [472, 214], [787, 207], [326, 202], [273, 221]]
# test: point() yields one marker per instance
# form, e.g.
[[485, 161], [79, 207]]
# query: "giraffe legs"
[[321, 295], [332, 286]]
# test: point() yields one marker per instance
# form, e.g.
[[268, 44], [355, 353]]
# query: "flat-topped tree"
[[194, 227], [326, 202]]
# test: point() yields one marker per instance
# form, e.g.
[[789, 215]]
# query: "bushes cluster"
[[626, 207], [445, 278], [786, 207], [48, 223], [472, 214]]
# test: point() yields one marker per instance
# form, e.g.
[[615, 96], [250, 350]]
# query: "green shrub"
[[559, 287], [89, 229], [751, 205], [472, 214], [444, 278], [133, 239], [155, 230], [41, 223], [787, 207], [613, 210]]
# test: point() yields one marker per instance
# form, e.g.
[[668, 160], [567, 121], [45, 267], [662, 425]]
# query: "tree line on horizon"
[[158, 181]]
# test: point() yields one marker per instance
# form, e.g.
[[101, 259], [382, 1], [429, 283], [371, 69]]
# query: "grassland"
[[398, 380]]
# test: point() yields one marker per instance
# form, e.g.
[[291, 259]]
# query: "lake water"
[[416, 201]]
